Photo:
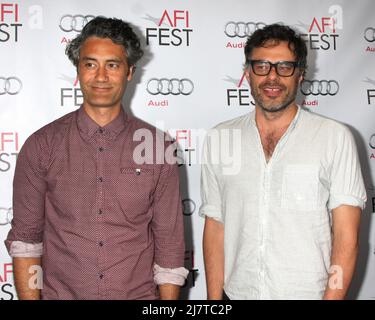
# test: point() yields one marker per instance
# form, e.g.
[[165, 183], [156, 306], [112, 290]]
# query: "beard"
[[278, 104]]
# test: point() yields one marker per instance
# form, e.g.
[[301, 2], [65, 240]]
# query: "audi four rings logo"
[[372, 141], [320, 87], [242, 29], [10, 85], [188, 207], [69, 23], [172, 86], [369, 34], [6, 216]]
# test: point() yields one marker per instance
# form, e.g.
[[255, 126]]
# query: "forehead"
[[101, 48], [273, 51]]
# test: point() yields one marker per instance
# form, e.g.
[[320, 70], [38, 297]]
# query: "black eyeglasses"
[[283, 68]]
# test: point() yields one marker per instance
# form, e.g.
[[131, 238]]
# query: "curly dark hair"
[[278, 32], [117, 30]]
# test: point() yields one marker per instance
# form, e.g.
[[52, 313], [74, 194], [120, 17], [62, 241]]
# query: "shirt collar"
[[292, 124], [296, 117], [89, 127]]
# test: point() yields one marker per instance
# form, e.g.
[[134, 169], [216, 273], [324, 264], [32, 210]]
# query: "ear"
[[247, 73], [76, 80], [301, 77], [131, 72]]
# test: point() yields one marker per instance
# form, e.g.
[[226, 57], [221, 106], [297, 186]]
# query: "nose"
[[273, 74], [101, 74]]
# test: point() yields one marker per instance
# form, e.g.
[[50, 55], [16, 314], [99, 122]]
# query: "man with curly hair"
[[285, 224], [99, 224]]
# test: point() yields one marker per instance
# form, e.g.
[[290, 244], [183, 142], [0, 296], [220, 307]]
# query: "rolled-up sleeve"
[[29, 187], [176, 276], [210, 191], [167, 222], [19, 249], [347, 186]]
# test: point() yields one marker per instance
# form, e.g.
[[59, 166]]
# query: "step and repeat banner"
[[190, 79]]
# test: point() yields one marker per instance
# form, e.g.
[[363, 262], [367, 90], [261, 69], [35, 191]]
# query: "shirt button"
[[101, 130], [101, 243], [101, 149], [100, 179], [100, 211], [101, 276]]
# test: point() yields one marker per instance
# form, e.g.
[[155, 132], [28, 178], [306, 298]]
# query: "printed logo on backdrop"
[[7, 289], [189, 142], [371, 190], [186, 154], [164, 88], [186, 148], [10, 85], [10, 20], [169, 28], [369, 36], [323, 32], [313, 89], [188, 206], [238, 32], [6, 216], [10, 24], [371, 144], [238, 93], [9, 149], [193, 271], [370, 91], [70, 95], [71, 24]]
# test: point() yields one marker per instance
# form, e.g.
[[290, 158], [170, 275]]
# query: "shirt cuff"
[[210, 211], [175, 276], [338, 200], [20, 249]]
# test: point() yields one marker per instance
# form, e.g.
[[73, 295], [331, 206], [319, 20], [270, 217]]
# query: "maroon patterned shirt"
[[103, 219]]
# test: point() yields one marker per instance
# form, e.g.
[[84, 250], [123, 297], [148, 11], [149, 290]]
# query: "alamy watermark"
[[216, 147]]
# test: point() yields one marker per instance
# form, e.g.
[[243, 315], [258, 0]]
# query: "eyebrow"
[[109, 60]]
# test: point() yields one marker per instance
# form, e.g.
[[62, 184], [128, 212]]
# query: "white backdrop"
[[201, 41]]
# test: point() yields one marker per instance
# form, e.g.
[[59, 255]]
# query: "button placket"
[[101, 181], [263, 218]]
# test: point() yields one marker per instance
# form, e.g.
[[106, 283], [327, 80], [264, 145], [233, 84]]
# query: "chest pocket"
[[134, 189], [300, 187]]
